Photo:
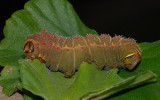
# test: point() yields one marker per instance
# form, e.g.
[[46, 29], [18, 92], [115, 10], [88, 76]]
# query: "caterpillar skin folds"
[[65, 54]]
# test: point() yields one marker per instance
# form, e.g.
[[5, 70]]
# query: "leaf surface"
[[87, 83]]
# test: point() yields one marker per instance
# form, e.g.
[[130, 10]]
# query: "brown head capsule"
[[28, 46], [31, 49]]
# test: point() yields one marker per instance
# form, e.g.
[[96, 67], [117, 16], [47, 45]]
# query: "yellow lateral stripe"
[[130, 54]]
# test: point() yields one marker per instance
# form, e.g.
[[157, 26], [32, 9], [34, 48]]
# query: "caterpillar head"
[[29, 48], [132, 59]]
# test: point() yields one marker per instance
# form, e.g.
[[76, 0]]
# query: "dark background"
[[138, 19]]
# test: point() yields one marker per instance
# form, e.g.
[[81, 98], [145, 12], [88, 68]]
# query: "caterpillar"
[[65, 54]]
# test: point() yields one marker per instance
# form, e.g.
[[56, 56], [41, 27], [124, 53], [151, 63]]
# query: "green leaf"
[[10, 80], [10, 57], [150, 61], [87, 83], [56, 16]]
